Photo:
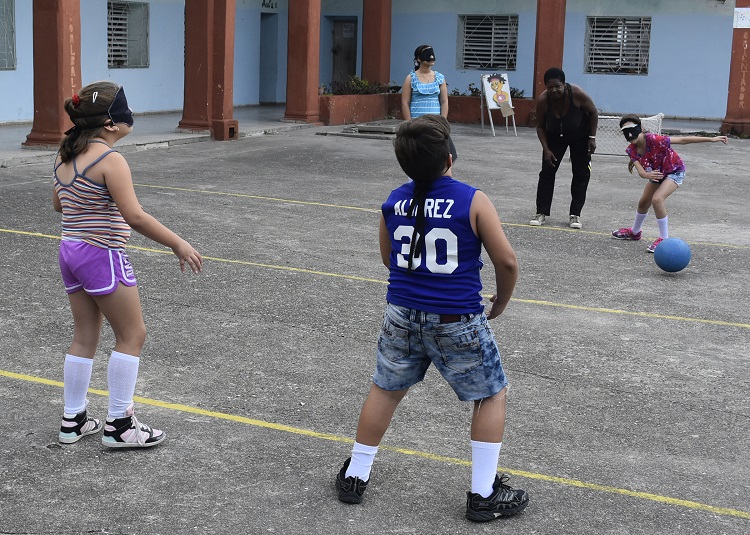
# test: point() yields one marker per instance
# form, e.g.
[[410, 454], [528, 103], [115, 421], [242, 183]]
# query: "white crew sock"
[[484, 457], [361, 463], [76, 378], [663, 227], [639, 219], [122, 373]]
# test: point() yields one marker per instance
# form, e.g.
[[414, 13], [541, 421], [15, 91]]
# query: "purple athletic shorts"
[[95, 270]]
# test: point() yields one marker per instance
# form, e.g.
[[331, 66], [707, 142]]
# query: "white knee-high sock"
[[663, 227], [484, 457], [639, 219], [76, 378], [122, 373], [361, 463]]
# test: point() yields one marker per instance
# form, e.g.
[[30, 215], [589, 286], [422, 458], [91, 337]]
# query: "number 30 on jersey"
[[437, 237]]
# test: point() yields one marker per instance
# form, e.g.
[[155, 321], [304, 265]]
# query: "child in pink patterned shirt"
[[655, 160]]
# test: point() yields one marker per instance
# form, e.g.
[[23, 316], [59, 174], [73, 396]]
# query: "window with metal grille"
[[7, 35], [127, 34], [488, 42], [617, 45]]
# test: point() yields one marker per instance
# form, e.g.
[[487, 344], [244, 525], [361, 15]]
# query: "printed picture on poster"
[[497, 90]]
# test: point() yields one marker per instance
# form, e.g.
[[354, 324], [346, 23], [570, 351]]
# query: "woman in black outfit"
[[566, 117]]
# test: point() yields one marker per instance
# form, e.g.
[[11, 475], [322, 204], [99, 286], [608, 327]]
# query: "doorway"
[[268, 72], [344, 50]]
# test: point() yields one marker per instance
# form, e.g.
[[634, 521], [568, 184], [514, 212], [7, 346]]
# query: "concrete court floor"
[[628, 411]]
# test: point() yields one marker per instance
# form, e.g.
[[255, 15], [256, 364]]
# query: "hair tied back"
[[76, 100]]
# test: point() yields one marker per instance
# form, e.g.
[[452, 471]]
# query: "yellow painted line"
[[405, 451], [381, 281], [260, 197], [377, 211], [631, 313], [26, 233], [594, 233]]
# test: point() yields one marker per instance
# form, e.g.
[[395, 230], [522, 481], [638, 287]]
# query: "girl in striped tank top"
[[94, 192]]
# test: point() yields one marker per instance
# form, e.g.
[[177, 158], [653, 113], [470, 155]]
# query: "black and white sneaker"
[[350, 488], [76, 426], [128, 432], [504, 501]]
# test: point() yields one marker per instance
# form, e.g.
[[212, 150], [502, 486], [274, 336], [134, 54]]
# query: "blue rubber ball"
[[672, 255]]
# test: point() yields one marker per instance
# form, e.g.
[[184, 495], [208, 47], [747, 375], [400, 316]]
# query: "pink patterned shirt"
[[659, 155]]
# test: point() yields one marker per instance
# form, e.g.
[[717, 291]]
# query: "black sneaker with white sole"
[[76, 426], [350, 488], [128, 432], [504, 501]]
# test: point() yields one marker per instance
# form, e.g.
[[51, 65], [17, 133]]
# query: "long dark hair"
[[422, 150], [88, 110]]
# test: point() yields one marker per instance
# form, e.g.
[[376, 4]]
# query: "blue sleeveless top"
[[446, 277], [425, 98]]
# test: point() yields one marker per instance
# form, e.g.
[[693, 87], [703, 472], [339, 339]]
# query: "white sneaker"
[[575, 221], [538, 220]]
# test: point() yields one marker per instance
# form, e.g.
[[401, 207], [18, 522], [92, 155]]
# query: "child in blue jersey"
[[432, 231]]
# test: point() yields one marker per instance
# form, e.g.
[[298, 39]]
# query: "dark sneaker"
[[128, 432], [350, 488], [76, 426], [504, 501]]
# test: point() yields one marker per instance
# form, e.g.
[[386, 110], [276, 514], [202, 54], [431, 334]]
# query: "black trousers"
[[580, 160]]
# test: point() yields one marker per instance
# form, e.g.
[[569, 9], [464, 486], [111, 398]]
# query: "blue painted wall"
[[16, 90], [689, 55], [689, 58], [250, 70], [160, 86], [688, 74], [413, 25]]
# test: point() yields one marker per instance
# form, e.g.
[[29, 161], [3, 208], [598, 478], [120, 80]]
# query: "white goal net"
[[609, 138]]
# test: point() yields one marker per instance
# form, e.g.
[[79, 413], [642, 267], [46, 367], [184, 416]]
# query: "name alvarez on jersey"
[[443, 277], [436, 208]]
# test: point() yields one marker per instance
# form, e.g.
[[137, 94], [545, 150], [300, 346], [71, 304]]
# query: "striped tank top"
[[89, 214]]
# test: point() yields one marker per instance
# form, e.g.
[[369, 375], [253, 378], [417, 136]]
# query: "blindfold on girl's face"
[[428, 54], [119, 111], [631, 131]]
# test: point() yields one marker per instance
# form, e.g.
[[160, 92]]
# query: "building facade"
[[683, 58]]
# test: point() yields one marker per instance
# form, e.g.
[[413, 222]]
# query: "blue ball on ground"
[[672, 255]]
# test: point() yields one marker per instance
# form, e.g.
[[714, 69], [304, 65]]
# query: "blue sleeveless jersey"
[[445, 278]]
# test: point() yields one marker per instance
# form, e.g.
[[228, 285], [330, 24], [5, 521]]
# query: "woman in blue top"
[[424, 91]]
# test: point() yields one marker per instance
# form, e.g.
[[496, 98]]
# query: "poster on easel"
[[496, 90], [496, 96]]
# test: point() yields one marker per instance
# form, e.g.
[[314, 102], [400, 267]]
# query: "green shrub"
[[474, 91], [357, 86]]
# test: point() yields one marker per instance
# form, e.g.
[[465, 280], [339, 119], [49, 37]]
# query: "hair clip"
[[76, 100]]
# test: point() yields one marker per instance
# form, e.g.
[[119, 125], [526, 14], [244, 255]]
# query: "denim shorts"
[[677, 177], [93, 269], [464, 352]]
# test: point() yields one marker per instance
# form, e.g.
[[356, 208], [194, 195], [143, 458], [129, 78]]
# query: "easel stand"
[[506, 108]]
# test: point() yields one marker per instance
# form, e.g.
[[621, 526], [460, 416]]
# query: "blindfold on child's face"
[[428, 54], [631, 131]]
